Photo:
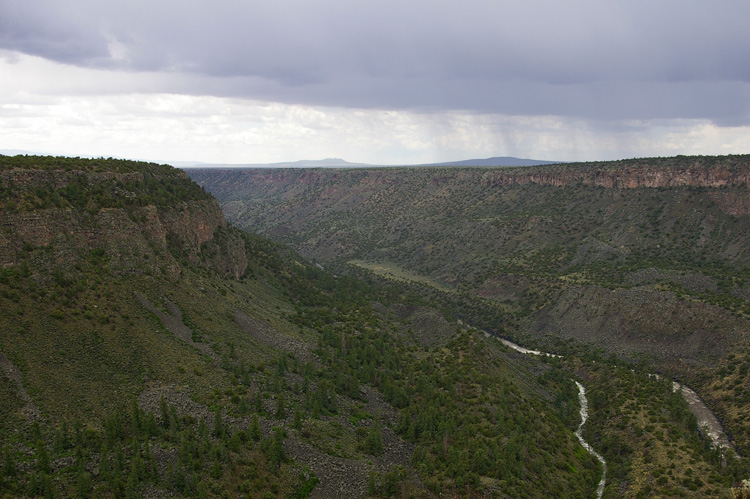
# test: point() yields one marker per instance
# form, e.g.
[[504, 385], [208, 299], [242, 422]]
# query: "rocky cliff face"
[[56, 179], [728, 179], [137, 230], [710, 172], [629, 177], [533, 239], [660, 174]]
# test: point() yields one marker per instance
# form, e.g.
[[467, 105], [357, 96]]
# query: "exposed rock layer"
[[135, 239]]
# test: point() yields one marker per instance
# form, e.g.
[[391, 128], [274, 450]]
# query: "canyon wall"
[[137, 236]]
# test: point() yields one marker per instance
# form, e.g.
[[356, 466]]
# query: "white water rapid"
[[707, 420], [584, 416], [584, 403]]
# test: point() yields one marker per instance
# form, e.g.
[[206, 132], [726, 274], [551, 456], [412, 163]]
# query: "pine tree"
[[254, 431], [280, 406], [164, 410], [374, 441], [218, 424], [9, 465], [42, 458], [371, 484], [297, 421], [136, 416]]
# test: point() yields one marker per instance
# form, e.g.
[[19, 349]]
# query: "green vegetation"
[[391, 271], [646, 259], [39, 182], [166, 353], [650, 437]]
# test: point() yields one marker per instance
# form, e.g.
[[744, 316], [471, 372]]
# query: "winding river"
[[584, 403], [707, 420], [579, 433]]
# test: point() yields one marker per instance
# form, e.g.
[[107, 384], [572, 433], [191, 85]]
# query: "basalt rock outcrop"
[[633, 174], [123, 215], [354, 186]]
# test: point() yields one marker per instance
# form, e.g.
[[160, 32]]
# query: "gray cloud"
[[592, 59]]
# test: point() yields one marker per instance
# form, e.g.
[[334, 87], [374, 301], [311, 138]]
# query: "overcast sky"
[[385, 82]]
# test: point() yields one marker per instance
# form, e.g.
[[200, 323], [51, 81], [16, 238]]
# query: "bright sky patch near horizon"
[[381, 82]]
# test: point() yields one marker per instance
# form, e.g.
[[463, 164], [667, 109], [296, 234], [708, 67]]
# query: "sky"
[[379, 82]]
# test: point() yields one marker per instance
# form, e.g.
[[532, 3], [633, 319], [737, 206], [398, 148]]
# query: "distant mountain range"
[[328, 162], [16, 152], [340, 163], [305, 163], [495, 161]]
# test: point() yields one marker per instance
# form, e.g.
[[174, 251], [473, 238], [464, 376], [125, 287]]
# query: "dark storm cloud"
[[594, 59]]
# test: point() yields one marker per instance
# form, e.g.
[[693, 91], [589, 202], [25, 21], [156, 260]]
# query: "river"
[[584, 403], [579, 433], [707, 420]]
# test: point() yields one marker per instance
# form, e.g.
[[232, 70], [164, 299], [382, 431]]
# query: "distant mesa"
[[495, 161], [305, 163]]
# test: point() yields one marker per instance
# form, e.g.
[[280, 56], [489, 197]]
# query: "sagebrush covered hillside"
[[644, 260], [148, 349]]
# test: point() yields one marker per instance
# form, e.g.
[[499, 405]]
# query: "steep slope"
[[149, 348], [646, 258], [670, 234]]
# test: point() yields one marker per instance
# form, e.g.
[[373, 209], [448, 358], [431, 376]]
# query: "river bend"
[[707, 420], [584, 411]]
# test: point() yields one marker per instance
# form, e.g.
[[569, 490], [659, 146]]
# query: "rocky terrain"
[[647, 259], [680, 171], [151, 349], [592, 251], [129, 230]]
